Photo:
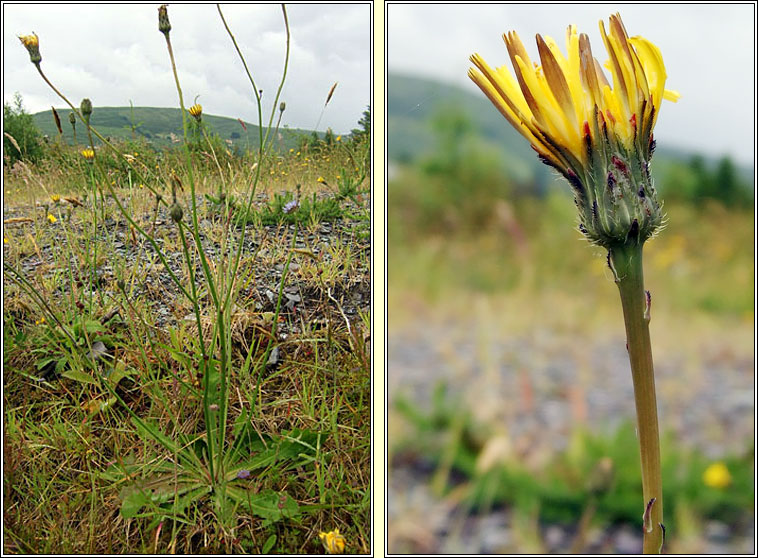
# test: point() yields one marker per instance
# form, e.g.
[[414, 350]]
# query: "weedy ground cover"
[[186, 358]]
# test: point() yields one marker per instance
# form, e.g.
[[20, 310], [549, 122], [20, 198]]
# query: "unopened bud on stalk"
[[121, 284], [86, 108], [282, 106], [72, 119], [164, 26], [176, 212], [31, 42]]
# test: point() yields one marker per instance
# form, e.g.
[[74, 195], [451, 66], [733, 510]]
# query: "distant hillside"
[[412, 103], [157, 126]]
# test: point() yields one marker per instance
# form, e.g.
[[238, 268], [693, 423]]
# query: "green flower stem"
[[627, 265]]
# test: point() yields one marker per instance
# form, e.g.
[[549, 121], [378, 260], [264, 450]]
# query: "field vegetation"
[[186, 338]]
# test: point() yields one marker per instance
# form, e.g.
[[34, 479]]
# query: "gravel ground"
[[351, 287], [543, 386]]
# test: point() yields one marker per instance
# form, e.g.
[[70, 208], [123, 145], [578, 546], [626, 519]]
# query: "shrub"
[[26, 144]]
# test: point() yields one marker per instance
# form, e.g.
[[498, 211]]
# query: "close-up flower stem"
[[600, 139], [636, 302]]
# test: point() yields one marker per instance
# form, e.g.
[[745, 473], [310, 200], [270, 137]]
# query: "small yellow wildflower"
[[321, 180], [51, 218], [5, 240], [292, 150], [141, 185], [333, 542], [40, 321], [717, 476], [339, 138], [196, 111], [55, 198], [88, 154], [29, 40]]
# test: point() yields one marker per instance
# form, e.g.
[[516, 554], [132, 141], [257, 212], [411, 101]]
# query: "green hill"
[[157, 126], [413, 104]]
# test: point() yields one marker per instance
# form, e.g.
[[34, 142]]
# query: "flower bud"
[[31, 42], [72, 119], [86, 108], [121, 284], [164, 26], [176, 213], [282, 106]]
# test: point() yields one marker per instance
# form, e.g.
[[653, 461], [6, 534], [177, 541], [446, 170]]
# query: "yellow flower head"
[[51, 218], [196, 111], [717, 476], [321, 180], [88, 154], [557, 103], [333, 542], [338, 138], [55, 198], [31, 43], [29, 40], [597, 133]]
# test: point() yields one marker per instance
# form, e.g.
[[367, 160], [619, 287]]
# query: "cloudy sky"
[[709, 52], [115, 53]]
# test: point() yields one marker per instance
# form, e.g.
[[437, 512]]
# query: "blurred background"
[[511, 409]]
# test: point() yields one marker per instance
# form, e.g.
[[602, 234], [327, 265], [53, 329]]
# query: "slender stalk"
[[99, 136], [627, 265]]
